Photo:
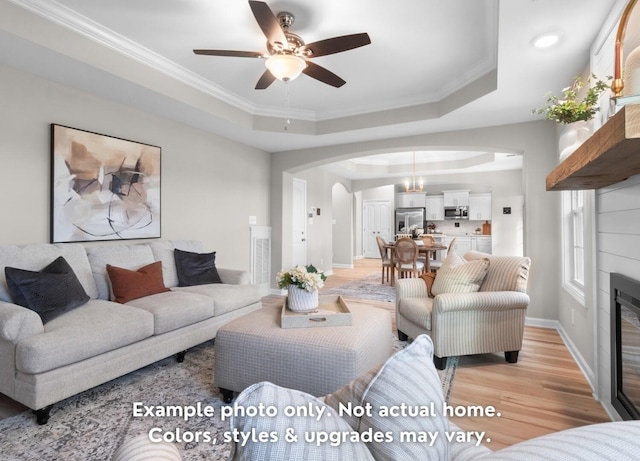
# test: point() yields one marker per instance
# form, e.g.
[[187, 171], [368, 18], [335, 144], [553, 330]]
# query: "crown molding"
[[66, 17]]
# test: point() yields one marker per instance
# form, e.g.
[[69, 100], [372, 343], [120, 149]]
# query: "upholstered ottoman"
[[317, 360]]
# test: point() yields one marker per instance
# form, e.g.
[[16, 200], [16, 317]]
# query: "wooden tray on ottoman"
[[332, 311]]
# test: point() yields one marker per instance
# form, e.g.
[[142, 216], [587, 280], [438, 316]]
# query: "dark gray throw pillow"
[[50, 293], [196, 268]]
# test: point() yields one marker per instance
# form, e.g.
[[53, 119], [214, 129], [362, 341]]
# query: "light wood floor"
[[544, 392]]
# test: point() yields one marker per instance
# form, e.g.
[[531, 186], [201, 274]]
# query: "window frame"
[[573, 244]]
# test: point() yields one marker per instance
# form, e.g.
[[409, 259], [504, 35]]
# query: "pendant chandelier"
[[410, 186]]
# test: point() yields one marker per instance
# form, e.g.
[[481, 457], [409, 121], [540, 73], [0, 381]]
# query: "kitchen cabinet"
[[434, 207], [410, 200], [466, 243], [480, 207], [456, 197], [482, 244], [462, 245]]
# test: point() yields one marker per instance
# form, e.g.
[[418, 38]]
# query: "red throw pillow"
[[127, 284]]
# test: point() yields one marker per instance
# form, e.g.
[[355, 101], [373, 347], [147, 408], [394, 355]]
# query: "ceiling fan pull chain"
[[286, 85]]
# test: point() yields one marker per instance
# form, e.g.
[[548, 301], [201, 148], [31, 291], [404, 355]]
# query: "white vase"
[[572, 136], [632, 73], [301, 300]]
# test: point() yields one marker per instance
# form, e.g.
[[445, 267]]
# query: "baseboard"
[[586, 371], [342, 266], [542, 323], [579, 359]]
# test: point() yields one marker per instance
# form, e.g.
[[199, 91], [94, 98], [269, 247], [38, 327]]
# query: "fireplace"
[[625, 346]]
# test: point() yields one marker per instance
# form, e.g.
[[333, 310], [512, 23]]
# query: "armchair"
[[488, 320]]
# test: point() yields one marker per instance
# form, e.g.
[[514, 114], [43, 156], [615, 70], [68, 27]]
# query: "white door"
[[299, 218], [375, 222]]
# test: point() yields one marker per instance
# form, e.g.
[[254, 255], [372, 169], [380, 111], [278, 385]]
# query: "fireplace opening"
[[625, 346]]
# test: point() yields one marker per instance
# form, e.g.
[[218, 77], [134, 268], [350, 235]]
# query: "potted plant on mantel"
[[574, 113]]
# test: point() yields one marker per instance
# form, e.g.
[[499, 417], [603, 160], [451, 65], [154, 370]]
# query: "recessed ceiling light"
[[545, 40]]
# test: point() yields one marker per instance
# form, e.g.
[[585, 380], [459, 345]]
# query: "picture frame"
[[103, 187]]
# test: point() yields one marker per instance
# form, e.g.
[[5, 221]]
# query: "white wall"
[[342, 230], [618, 243], [210, 185]]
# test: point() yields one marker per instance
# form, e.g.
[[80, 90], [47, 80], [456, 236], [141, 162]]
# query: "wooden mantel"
[[609, 156]]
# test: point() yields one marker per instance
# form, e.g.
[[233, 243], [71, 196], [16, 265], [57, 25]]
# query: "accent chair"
[[476, 305]]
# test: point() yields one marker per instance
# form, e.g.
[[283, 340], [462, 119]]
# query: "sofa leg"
[[511, 356], [402, 336], [42, 415], [440, 362], [180, 356], [227, 395]]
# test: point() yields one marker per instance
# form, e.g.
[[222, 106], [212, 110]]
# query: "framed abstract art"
[[102, 187]]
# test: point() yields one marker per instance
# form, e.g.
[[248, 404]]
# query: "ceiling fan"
[[287, 55]]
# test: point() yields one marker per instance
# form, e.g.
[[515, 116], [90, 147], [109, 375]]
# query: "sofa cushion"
[[163, 250], [506, 273], [417, 310], [226, 298], [34, 257], [429, 278], [126, 256], [50, 292], [459, 276], [92, 329], [127, 284], [196, 268], [172, 309], [277, 446], [407, 378]]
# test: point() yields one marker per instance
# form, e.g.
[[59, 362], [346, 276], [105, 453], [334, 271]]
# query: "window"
[[573, 243]]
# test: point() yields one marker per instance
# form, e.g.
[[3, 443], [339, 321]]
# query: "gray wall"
[[535, 140], [210, 185], [342, 229]]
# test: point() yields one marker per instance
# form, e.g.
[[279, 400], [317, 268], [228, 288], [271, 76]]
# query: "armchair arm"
[[618, 441], [17, 322], [234, 276], [411, 288], [480, 301]]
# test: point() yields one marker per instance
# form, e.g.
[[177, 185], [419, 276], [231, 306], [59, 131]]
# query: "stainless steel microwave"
[[456, 212]]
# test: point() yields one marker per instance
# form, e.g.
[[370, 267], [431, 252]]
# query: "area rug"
[[92, 425], [365, 288]]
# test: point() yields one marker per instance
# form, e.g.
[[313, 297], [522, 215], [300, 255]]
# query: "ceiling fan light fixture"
[[285, 67]]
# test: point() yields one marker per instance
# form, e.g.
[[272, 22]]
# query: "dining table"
[[423, 248]]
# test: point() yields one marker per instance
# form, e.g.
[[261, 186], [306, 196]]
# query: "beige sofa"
[[490, 319], [41, 364]]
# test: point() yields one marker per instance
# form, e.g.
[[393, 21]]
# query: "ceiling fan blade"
[[237, 54], [324, 75], [337, 44], [266, 80], [268, 22]]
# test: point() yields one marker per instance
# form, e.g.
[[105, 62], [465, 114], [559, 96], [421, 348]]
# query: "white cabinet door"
[[462, 245], [482, 244], [456, 197], [410, 200], [435, 207], [480, 207]]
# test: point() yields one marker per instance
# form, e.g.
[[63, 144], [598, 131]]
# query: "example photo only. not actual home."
[[295, 230]]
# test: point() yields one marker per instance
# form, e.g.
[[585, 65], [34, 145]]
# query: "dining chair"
[[387, 266], [406, 258], [437, 264], [427, 240]]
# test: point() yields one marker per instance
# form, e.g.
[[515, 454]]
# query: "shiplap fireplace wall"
[[618, 248]]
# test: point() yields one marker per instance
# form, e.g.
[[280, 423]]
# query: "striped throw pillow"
[[460, 276]]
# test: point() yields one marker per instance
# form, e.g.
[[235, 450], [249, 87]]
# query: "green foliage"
[[569, 109]]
